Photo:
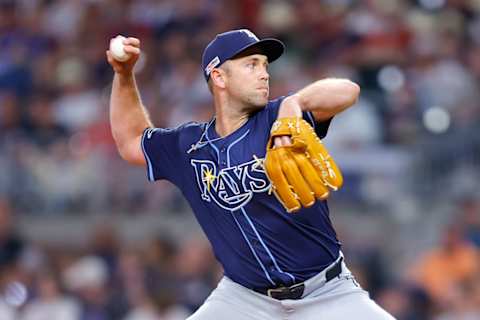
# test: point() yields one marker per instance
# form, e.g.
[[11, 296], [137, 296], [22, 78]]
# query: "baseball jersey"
[[257, 242]]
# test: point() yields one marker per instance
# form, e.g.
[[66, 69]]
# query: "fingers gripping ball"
[[302, 172], [117, 49]]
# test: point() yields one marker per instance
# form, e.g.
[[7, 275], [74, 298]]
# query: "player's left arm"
[[297, 164], [324, 98]]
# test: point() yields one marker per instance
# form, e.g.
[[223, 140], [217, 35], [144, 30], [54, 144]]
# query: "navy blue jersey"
[[257, 242]]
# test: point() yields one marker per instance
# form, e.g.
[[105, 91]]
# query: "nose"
[[264, 75]]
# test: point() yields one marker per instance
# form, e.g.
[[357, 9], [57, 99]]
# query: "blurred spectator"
[[78, 106], [405, 303], [444, 271], [10, 117], [11, 244], [43, 127], [396, 301], [195, 268], [105, 245], [87, 278], [470, 215], [466, 304], [50, 302]]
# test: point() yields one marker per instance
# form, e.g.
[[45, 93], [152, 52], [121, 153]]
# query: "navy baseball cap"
[[228, 44]]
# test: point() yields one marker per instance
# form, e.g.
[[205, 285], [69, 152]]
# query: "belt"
[[296, 291]]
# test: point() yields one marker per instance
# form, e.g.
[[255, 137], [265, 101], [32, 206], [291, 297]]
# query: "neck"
[[229, 115]]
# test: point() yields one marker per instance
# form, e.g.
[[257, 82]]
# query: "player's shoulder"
[[186, 128], [184, 132], [192, 127]]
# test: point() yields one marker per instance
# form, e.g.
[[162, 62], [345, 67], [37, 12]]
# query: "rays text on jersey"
[[231, 188]]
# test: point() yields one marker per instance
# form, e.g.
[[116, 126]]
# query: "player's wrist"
[[125, 77], [290, 107]]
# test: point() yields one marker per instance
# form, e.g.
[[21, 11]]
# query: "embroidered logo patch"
[[212, 64]]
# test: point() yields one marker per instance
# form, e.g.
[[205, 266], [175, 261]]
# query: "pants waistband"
[[299, 290]]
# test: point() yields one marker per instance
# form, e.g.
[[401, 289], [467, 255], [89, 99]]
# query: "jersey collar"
[[212, 135]]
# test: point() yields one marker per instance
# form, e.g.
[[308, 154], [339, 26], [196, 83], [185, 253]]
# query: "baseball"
[[116, 48]]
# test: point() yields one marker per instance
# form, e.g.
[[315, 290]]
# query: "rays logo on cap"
[[228, 44], [250, 34]]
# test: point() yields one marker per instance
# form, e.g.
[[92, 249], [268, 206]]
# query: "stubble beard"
[[254, 105], [257, 100]]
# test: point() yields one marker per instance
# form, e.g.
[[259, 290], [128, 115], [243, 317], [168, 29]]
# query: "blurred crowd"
[[412, 138], [104, 280], [162, 278], [417, 62]]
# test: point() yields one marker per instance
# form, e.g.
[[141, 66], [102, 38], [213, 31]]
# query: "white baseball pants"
[[339, 299]]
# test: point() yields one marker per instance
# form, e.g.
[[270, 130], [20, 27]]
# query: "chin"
[[261, 101], [257, 102]]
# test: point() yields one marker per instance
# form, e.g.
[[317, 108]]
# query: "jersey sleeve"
[[161, 150], [321, 127]]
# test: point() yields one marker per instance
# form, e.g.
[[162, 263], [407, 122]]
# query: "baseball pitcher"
[[257, 177]]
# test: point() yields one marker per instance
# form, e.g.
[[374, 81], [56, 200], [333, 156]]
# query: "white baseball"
[[116, 48]]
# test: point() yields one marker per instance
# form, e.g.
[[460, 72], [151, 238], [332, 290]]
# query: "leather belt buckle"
[[282, 293], [296, 291]]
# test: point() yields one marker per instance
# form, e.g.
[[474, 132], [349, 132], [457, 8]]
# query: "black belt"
[[296, 291]]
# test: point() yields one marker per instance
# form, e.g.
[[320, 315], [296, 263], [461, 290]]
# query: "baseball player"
[[256, 176]]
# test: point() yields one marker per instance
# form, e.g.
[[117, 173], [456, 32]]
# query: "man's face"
[[247, 79]]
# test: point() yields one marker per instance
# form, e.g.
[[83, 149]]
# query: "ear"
[[218, 78]]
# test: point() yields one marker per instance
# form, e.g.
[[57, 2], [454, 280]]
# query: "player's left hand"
[[298, 165]]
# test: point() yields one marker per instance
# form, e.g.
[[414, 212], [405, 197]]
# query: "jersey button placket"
[[222, 161]]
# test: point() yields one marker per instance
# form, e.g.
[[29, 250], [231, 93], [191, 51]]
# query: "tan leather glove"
[[302, 172]]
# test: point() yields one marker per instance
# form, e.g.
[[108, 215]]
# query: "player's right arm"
[[128, 117]]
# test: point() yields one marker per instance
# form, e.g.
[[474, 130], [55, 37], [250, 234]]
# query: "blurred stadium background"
[[84, 236]]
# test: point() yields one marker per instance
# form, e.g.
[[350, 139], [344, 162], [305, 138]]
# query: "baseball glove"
[[302, 172]]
